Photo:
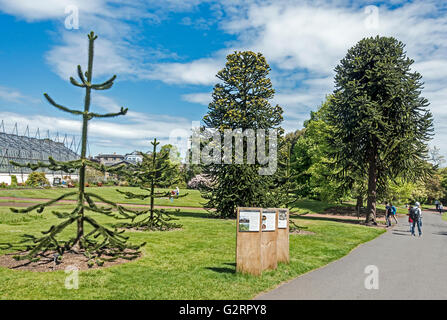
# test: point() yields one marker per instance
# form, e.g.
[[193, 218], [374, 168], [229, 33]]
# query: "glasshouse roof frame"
[[26, 149]]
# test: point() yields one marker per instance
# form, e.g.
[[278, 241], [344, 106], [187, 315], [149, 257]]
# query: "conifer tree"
[[381, 121], [100, 243], [240, 102], [148, 174], [287, 187], [287, 180]]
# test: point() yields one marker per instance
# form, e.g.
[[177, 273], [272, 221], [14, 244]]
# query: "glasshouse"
[[26, 149]]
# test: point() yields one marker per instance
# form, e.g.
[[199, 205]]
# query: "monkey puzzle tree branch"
[[40, 207], [60, 107], [122, 112]]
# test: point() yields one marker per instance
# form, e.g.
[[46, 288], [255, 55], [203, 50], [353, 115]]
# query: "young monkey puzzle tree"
[[100, 243], [147, 175]]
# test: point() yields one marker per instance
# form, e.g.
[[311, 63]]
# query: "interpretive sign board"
[[249, 221], [248, 241], [282, 241], [268, 239], [268, 220]]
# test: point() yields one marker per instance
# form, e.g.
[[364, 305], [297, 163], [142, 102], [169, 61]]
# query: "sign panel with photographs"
[[268, 220], [249, 221], [282, 218]]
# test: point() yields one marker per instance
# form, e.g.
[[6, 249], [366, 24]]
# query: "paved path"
[[409, 268]]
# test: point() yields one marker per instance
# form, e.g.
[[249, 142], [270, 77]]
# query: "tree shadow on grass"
[[352, 221], [198, 214], [190, 214], [224, 269]]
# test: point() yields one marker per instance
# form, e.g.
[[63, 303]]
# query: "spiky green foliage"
[[148, 174], [101, 243], [240, 101], [287, 187], [382, 124]]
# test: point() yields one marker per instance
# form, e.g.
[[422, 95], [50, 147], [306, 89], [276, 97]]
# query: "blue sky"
[[166, 55]]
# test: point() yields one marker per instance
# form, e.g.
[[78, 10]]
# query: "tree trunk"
[[359, 203], [372, 189]]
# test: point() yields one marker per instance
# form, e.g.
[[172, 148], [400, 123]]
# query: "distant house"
[[109, 159], [133, 157]]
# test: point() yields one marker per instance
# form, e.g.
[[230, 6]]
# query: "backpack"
[[393, 210], [414, 214]]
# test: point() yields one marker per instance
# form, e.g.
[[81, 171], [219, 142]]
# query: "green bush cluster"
[[37, 179]]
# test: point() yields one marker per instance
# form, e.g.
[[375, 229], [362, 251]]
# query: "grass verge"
[[196, 262]]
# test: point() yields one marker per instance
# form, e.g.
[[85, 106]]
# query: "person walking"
[[440, 208], [388, 214], [437, 203], [416, 216], [410, 221], [393, 212]]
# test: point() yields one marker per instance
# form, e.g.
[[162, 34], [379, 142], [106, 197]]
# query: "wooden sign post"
[[248, 241], [269, 235], [283, 236], [262, 239]]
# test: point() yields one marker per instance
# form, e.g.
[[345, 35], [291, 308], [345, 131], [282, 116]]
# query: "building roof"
[[23, 149], [109, 156]]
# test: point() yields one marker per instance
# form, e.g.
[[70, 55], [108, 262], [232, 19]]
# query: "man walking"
[[416, 216], [390, 213]]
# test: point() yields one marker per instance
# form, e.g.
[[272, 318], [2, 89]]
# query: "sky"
[[166, 54]]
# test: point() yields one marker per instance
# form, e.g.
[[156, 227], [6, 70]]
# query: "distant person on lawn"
[[440, 208], [416, 216]]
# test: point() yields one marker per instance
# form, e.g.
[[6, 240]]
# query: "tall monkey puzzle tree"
[[147, 174], [100, 243], [382, 124], [240, 102]]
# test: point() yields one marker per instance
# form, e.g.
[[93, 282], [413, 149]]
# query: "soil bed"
[[47, 264]]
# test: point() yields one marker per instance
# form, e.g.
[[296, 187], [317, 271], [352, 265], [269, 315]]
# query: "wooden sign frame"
[[283, 239], [269, 259], [248, 248]]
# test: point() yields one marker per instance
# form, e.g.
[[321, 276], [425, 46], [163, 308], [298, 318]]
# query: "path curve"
[[408, 268]]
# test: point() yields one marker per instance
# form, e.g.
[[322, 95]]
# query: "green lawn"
[[193, 199], [196, 262]]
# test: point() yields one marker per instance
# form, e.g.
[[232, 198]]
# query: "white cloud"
[[47, 9], [108, 59], [203, 98], [199, 72], [15, 96]]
